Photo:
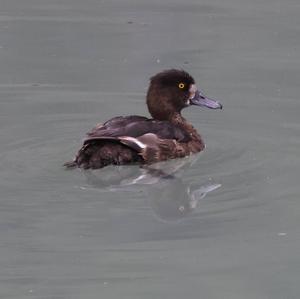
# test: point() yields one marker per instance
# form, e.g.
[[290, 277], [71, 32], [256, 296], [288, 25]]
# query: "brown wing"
[[115, 123], [136, 126]]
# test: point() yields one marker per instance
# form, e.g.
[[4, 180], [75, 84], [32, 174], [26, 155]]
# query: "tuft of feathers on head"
[[172, 77]]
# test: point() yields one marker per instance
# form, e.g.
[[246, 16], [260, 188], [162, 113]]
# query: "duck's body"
[[137, 139]]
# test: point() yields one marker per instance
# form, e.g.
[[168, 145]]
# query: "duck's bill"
[[200, 100]]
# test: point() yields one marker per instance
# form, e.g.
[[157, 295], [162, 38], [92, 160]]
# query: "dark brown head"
[[172, 90]]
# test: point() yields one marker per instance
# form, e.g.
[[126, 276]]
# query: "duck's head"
[[172, 90]]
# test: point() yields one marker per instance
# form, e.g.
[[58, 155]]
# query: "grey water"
[[221, 224]]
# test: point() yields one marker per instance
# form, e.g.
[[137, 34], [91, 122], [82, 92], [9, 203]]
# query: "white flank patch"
[[136, 141]]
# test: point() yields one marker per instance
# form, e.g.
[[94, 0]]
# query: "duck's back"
[[111, 142]]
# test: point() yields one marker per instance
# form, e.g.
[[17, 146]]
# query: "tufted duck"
[[137, 139]]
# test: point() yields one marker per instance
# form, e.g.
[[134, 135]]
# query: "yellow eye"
[[181, 85]]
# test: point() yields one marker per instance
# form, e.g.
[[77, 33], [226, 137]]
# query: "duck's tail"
[[70, 164]]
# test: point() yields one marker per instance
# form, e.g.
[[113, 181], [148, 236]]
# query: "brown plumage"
[[137, 139]]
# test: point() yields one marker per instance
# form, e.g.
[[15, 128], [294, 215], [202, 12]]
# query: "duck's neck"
[[179, 120]]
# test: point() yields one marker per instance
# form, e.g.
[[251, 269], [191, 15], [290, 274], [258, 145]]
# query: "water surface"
[[224, 224]]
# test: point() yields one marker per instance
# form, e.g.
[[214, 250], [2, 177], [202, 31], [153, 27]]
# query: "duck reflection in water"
[[163, 184]]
